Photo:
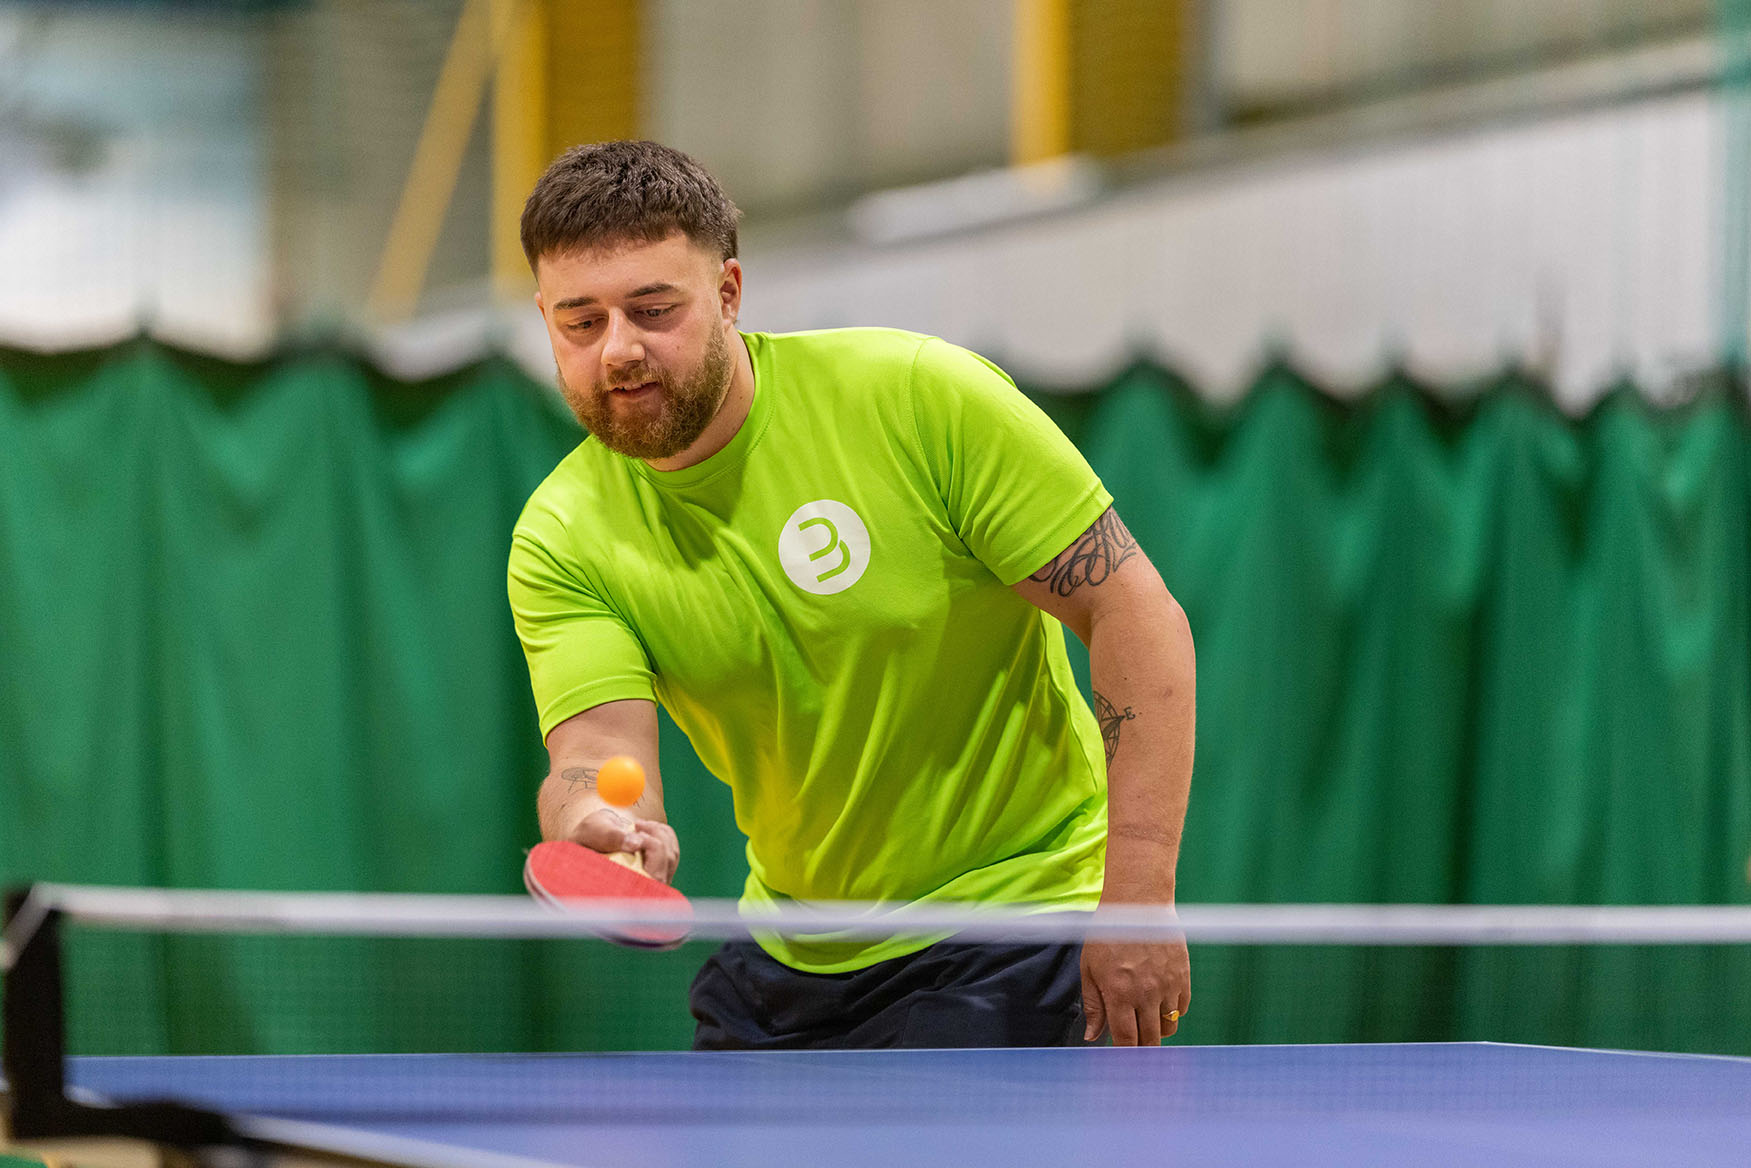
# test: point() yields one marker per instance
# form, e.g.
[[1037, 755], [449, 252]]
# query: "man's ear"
[[729, 290]]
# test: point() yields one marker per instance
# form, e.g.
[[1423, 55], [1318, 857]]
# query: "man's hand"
[[607, 830], [1132, 987]]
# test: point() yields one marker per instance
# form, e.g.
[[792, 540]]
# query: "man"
[[839, 560]]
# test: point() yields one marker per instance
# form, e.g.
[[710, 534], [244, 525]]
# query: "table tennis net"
[[94, 971]]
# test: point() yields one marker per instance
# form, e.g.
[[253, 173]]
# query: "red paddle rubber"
[[564, 874]]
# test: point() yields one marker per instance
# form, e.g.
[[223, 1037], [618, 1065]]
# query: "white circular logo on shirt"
[[824, 547]]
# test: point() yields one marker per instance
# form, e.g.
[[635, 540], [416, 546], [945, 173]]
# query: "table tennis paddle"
[[565, 874]]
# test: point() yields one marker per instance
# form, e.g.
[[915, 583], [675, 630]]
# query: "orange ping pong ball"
[[620, 781]]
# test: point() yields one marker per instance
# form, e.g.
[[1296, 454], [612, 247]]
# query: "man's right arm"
[[568, 805]]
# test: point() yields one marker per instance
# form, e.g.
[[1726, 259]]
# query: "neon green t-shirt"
[[823, 607]]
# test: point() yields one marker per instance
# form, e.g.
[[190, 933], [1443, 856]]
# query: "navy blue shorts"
[[951, 994]]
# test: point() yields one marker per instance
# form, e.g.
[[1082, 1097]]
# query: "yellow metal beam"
[[521, 144], [481, 30], [1130, 70], [595, 72], [1040, 82], [562, 72]]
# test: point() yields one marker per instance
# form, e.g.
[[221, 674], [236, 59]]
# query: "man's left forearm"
[[1144, 676]]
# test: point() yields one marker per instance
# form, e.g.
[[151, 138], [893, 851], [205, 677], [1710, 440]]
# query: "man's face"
[[640, 335]]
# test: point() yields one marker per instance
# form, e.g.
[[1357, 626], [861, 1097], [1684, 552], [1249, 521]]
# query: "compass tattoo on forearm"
[[576, 778], [1095, 556], [584, 778]]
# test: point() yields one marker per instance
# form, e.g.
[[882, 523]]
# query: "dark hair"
[[614, 192]]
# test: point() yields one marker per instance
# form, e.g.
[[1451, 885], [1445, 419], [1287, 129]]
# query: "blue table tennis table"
[[1419, 1104]]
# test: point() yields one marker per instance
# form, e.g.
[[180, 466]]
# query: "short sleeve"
[[1017, 491], [580, 652]]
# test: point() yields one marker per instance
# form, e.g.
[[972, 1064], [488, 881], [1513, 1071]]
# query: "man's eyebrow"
[[586, 301]]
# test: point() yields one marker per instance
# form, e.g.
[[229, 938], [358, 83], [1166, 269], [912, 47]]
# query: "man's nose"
[[622, 346]]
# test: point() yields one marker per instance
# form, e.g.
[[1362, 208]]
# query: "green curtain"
[[253, 634], [1482, 654]]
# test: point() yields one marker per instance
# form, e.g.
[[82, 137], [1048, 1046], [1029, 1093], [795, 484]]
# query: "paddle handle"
[[629, 860]]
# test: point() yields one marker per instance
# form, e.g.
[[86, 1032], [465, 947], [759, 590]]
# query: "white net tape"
[[425, 915]]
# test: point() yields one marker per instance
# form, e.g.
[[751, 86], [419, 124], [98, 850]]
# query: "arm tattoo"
[[1111, 719], [1095, 555], [585, 778], [576, 777]]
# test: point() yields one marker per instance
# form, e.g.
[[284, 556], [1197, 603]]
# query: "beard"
[[666, 424]]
